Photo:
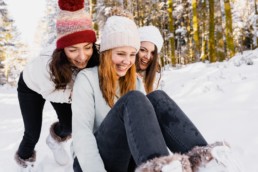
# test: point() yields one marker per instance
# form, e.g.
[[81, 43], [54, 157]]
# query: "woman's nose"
[[147, 55], [82, 56], [126, 60]]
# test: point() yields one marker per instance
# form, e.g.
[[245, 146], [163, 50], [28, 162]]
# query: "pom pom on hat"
[[151, 34], [73, 24], [71, 5]]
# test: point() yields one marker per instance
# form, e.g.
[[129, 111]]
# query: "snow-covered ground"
[[220, 98]]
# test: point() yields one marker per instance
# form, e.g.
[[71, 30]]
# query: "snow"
[[220, 98]]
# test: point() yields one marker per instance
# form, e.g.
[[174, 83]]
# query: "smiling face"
[[145, 55], [123, 58], [79, 54]]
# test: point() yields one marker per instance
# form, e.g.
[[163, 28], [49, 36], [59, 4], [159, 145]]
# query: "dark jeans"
[[31, 105], [141, 127]]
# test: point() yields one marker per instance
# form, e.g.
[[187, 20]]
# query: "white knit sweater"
[[36, 75], [89, 109], [157, 85]]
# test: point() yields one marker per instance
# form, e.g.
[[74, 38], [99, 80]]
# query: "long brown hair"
[[151, 70], [108, 78], [61, 71]]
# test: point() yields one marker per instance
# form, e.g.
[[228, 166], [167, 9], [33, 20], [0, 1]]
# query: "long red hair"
[[108, 78]]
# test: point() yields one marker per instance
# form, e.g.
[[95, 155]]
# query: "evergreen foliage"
[[12, 50], [195, 30]]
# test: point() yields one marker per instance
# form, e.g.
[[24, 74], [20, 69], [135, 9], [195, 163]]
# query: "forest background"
[[193, 30]]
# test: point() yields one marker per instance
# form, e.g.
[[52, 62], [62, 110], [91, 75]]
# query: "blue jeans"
[[31, 105], [142, 127]]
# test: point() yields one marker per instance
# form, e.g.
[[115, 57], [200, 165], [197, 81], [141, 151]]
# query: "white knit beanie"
[[151, 34], [119, 31]]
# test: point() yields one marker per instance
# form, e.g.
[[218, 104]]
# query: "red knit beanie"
[[73, 24]]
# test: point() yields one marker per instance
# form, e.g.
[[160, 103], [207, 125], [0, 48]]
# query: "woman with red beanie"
[[51, 79]]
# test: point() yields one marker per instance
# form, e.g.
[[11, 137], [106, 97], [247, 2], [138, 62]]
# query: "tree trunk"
[[256, 23], [212, 53], [125, 4], [220, 46], [172, 31], [229, 29], [204, 53], [196, 28], [93, 4]]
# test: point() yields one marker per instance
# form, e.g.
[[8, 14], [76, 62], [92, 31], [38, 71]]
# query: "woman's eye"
[[87, 48]]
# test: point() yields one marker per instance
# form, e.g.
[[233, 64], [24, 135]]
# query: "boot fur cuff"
[[200, 155], [55, 136], [156, 164], [24, 162]]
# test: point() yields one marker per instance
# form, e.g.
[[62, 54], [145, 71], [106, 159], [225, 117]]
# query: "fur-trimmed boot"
[[171, 163], [55, 143], [25, 165], [216, 157]]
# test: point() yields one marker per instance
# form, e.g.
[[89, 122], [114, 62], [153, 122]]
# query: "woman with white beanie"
[[114, 123], [50, 78], [211, 158], [147, 64]]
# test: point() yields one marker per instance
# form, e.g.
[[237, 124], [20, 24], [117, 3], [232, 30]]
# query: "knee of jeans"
[[136, 97], [157, 95], [134, 93]]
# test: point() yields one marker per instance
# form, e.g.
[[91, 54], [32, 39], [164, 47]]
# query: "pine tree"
[[12, 50], [47, 25]]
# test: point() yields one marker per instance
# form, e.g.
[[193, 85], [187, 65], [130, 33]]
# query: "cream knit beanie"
[[119, 31], [151, 34]]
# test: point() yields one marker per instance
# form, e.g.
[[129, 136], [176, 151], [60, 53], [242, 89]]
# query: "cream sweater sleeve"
[[37, 77], [84, 114]]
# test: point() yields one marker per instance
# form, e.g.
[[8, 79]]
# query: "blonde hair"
[[108, 78]]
